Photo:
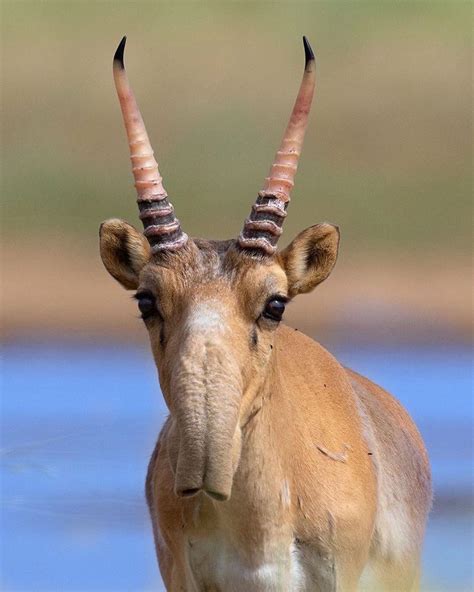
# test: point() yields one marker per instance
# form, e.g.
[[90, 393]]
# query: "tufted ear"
[[309, 258], [124, 251]]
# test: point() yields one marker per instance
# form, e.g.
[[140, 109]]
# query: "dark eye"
[[275, 308], [146, 304]]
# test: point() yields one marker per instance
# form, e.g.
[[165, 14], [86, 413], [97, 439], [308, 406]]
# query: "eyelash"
[[141, 297], [280, 299]]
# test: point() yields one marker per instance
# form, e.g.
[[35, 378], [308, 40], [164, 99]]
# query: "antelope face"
[[212, 307]]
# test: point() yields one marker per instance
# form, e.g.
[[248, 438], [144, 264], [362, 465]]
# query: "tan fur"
[[322, 472], [124, 251], [309, 259]]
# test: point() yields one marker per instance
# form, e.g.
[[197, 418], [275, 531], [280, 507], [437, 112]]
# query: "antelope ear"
[[309, 258], [124, 251]]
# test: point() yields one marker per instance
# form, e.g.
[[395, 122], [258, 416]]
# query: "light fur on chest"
[[213, 563]]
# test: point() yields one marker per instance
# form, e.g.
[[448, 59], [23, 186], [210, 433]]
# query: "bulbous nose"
[[206, 388]]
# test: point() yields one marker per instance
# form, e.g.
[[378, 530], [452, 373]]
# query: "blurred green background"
[[387, 154]]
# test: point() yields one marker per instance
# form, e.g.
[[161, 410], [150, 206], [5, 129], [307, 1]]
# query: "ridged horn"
[[263, 228], [161, 227]]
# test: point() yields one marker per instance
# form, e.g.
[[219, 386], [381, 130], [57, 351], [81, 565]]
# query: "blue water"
[[78, 426]]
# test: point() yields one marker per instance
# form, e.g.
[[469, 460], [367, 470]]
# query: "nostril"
[[220, 497], [189, 492]]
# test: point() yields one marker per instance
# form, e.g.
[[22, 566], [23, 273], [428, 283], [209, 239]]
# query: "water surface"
[[79, 424]]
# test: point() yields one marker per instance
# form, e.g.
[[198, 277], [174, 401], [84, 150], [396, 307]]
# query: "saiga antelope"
[[277, 469]]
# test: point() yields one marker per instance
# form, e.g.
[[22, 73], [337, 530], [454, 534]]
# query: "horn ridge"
[[273, 199], [161, 227]]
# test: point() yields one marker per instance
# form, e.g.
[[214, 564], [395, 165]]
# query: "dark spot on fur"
[[254, 338], [122, 251], [316, 256], [162, 335], [252, 415]]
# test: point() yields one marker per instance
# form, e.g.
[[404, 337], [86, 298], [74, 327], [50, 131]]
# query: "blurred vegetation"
[[387, 155]]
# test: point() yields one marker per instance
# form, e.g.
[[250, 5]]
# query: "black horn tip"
[[308, 52], [118, 56]]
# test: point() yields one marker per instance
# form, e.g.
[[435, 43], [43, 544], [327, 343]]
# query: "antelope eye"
[[146, 304], [274, 309]]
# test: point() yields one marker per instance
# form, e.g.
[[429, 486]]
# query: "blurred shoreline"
[[65, 294]]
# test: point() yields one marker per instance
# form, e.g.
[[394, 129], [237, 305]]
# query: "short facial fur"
[[210, 335]]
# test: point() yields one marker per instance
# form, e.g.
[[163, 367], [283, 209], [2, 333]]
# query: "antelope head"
[[212, 308]]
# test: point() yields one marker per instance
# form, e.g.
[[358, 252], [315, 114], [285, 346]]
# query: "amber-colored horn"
[[264, 226], [162, 228]]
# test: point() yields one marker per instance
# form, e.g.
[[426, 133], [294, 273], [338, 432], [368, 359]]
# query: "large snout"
[[207, 390], [213, 471]]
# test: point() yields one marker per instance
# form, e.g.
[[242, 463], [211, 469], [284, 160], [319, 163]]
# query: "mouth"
[[218, 497]]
